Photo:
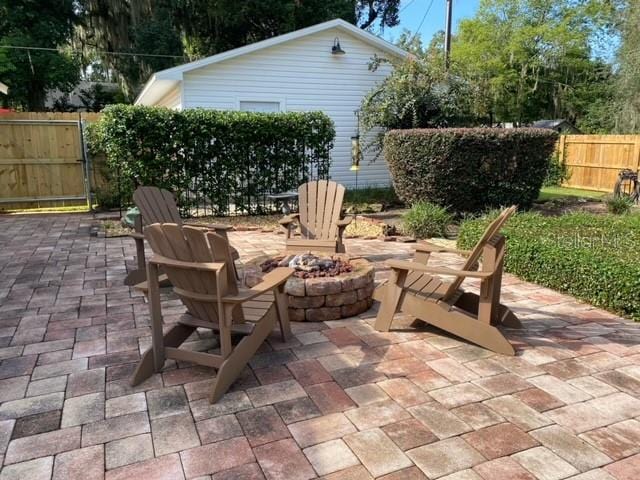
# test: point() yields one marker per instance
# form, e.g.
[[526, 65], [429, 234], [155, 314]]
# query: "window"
[[265, 107]]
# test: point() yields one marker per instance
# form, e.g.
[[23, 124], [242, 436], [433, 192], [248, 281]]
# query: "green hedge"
[[469, 169], [222, 159], [592, 257]]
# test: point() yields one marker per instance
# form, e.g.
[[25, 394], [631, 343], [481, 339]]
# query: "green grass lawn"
[[556, 193]]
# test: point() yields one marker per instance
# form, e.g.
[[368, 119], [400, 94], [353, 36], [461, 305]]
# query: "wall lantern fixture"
[[337, 49]]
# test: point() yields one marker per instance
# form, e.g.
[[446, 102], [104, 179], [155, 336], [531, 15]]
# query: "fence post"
[[561, 153], [86, 162]]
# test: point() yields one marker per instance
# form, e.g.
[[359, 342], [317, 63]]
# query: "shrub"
[[416, 94], [557, 173], [227, 160], [107, 197], [426, 220], [619, 205], [469, 169], [593, 257]]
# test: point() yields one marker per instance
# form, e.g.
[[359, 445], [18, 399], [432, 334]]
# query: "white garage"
[[324, 67]]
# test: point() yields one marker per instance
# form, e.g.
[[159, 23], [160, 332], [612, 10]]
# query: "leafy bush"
[[592, 257], [416, 94], [227, 160], [469, 169], [370, 199], [619, 205], [384, 195], [557, 173], [107, 196], [426, 220]]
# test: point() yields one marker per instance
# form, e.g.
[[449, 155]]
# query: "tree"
[[626, 110], [96, 97], [31, 73], [532, 59], [199, 28], [387, 12], [415, 95], [129, 27]]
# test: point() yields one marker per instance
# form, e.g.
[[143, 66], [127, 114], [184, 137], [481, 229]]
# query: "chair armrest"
[[288, 219], [344, 222], [136, 235], [419, 267], [210, 226], [202, 266], [271, 280], [433, 248]]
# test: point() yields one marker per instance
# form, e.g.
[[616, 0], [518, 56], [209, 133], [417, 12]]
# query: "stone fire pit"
[[329, 291]]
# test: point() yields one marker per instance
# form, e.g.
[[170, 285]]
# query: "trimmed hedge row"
[[226, 160], [592, 257], [469, 169]]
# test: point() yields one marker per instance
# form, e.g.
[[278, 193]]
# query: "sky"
[[412, 12]]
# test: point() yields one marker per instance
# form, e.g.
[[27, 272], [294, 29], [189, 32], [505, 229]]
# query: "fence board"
[[595, 160], [41, 163]]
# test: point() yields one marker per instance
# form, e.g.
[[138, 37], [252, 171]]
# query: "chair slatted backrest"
[[472, 260], [192, 244], [320, 209], [156, 205]]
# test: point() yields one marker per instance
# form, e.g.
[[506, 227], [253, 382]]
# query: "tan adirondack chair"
[[415, 288], [320, 218], [199, 266], [159, 206]]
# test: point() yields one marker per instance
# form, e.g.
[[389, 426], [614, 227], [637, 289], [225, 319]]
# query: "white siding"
[[303, 75], [172, 99]]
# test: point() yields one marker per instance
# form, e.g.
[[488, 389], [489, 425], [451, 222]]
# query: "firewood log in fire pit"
[[308, 265]]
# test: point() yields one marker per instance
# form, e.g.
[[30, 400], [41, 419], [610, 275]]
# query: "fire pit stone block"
[[307, 302], [295, 287], [355, 308], [322, 286], [343, 298], [323, 314]]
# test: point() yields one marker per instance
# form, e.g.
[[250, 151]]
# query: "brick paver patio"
[[340, 401]]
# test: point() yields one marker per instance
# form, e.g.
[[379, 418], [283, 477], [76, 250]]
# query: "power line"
[[99, 52], [406, 6], [424, 17]]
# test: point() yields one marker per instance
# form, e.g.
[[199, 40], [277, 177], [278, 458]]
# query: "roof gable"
[[175, 73], [166, 79]]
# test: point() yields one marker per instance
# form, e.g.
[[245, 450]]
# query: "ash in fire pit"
[[308, 265]]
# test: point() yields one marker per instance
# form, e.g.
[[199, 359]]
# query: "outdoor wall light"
[[336, 49]]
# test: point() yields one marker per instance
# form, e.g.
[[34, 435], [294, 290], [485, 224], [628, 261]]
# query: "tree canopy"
[[127, 40], [199, 28], [533, 58], [626, 107], [516, 61], [30, 73]]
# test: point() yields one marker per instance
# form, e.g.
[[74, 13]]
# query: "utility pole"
[[447, 34]]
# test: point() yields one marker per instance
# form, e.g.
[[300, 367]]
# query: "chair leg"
[[241, 354], [140, 274], [459, 323], [146, 367], [392, 296], [283, 313]]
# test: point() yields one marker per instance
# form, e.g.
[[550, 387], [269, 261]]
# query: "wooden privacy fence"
[[43, 161], [595, 160]]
